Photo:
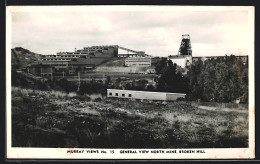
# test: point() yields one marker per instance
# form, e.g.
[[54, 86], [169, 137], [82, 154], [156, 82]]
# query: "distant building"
[[54, 64], [155, 60], [183, 61], [184, 57], [41, 70], [243, 58], [126, 52], [123, 55], [138, 62], [185, 47], [81, 65], [93, 51], [144, 95]]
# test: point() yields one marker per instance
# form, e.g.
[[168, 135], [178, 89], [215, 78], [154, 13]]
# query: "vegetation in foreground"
[[224, 79], [57, 119]]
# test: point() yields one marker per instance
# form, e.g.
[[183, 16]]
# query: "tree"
[[141, 84], [128, 86], [84, 88], [66, 85], [160, 67], [108, 80], [194, 88], [150, 88], [223, 79], [170, 80]]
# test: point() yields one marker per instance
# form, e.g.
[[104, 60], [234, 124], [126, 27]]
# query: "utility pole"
[[42, 75], [51, 74], [79, 80]]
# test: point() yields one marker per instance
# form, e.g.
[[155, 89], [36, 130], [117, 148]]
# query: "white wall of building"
[[138, 62], [182, 61], [143, 95]]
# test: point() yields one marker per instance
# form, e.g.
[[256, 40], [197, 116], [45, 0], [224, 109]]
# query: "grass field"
[[56, 119]]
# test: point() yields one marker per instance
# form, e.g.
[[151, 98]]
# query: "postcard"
[[130, 82]]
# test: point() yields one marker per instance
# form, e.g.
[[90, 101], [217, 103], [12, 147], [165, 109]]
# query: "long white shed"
[[144, 95]]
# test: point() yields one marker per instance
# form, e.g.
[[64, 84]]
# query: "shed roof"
[[146, 91]]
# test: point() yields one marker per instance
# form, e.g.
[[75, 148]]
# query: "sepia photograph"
[[130, 82]]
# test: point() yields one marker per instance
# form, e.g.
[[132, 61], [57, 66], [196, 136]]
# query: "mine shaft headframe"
[[185, 47]]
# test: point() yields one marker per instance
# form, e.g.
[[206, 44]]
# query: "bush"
[[66, 85], [180, 99], [92, 87]]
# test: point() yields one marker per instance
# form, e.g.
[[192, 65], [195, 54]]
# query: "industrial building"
[[185, 47], [41, 70], [184, 57], [182, 61], [138, 62], [55, 64], [88, 58], [82, 64], [130, 94], [105, 51], [93, 52], [126, 52]]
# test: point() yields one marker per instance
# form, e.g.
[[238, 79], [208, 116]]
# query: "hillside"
[[22, 57], [114, 63]]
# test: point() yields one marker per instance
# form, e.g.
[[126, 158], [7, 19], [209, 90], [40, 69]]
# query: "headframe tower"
[[185, 47]]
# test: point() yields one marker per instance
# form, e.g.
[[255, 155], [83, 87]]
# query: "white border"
[[61, 153]]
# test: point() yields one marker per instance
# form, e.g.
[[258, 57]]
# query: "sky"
[[157, 32]]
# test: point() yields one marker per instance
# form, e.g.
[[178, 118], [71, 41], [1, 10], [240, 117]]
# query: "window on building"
[[129, 95], [116, 94], [110, 94], [123, 95]]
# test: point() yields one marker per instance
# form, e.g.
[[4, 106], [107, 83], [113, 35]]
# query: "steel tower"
[[185, 47]]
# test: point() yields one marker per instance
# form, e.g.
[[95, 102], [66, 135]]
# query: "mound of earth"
[[21, 57]]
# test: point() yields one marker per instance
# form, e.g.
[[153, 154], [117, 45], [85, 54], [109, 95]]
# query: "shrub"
[[66, 85], [180, 99]]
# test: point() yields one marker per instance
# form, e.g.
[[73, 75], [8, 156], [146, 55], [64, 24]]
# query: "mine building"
[[184, 57], [90, 57], [54, 64], [82, 64], [185, 47], [94, 51], [244, 59], [130, 94], [126, 52], [182, 61], [138, 62], [155, 60], [40, 70], [106, 51]]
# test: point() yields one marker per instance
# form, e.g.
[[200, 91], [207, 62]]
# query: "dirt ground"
[[55, 119]]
